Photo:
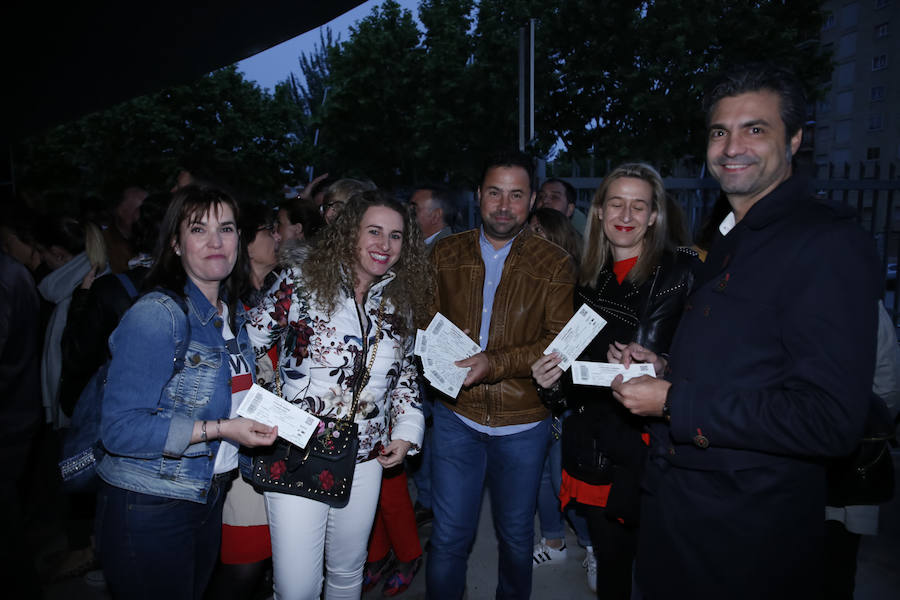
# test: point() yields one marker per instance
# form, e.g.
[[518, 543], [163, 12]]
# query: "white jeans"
[[305, 531]]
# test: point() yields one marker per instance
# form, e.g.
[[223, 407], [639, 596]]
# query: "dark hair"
[[254, 217], [443, 199], [328, 271], [757, 76], [571, 192], [306, 212], [146, 229], [510, 158], [190, 203], [677, 223], [65, 232], [559, 230]]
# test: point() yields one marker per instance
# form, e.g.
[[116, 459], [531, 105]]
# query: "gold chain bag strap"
[[322, 471]]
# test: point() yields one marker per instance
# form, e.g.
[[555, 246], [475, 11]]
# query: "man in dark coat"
[[770, 369]]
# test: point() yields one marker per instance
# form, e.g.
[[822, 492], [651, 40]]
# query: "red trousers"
[[395, 522]]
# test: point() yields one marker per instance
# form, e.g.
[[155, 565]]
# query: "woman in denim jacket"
[[164, 420], [322, 311]]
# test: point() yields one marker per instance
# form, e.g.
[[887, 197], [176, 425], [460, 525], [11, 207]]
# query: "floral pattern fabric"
[[320, 358]]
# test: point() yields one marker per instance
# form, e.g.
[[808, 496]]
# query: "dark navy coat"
[[771, 368]]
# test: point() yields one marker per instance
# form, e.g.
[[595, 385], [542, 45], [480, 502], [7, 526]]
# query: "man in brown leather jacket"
[[513, 292]]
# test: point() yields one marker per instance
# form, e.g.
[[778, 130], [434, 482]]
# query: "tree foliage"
[[221, 125], [403, 101]]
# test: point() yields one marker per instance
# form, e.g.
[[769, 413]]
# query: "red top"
[[575, 489]]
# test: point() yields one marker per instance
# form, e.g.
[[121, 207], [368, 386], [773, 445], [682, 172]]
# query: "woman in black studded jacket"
[[633, 278]]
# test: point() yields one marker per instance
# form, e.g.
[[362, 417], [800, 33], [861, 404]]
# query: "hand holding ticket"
[[602, 374], [576, 335], [440, 346], [294, 424]]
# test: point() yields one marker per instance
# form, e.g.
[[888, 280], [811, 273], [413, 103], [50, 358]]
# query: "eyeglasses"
[[269, 227]]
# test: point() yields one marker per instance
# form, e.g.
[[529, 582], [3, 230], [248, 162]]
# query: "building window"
[[876, 122], [846, 46], [829, 21], [877, 93], [879, 62], [873, 153], [845, 74], [844, 103], [881, 31], [850, 15]]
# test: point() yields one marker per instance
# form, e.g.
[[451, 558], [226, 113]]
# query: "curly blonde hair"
[[329, 270]]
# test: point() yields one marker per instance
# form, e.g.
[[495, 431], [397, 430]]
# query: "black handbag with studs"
[[323, 470]]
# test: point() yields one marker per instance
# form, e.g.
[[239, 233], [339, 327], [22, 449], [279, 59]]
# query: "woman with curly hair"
[[367, 274]]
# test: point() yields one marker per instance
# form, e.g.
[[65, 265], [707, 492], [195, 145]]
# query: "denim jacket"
[[149, 407]]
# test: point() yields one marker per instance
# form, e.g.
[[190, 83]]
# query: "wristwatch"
[[666, 414]]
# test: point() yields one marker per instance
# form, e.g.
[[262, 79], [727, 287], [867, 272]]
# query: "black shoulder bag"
[[322, 471]]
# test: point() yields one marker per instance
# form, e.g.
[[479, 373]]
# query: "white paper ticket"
[[454, 344], [602, 374], [294, 424], [584, 325], [440, 346]]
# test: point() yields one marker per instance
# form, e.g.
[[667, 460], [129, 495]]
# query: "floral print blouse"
[[320, 358]]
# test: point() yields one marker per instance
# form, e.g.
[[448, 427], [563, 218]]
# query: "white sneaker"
[[590, 563], [545, 555]]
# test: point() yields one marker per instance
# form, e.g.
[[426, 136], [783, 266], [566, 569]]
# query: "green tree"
[[306, 94], [221, 124], [368, 118], [631, 77]]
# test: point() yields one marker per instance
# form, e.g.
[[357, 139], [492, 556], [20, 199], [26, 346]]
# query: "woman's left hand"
[[394, 453]]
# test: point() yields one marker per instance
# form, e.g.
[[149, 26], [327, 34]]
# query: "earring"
[[178, 251]]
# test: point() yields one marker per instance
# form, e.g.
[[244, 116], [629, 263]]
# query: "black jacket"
[[648, 314], [93, 315]]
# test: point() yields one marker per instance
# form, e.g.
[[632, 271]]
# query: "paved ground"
[[878, 575]]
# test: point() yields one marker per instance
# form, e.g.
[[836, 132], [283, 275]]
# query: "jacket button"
[[218, 323], [700, 441], [195, 359], [229, 382]]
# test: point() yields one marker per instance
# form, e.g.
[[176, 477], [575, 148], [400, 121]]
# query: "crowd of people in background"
[[762, 337]]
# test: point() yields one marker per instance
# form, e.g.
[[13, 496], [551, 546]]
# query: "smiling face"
[[506, 199], [379, 245], [747, 150], [626, 214], [208, 246]]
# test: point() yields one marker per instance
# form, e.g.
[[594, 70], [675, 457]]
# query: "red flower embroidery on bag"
[[326, 480], [277, 470]]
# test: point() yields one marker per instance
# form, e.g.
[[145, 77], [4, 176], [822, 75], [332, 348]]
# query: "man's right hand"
[[479, 365], [546, 371]]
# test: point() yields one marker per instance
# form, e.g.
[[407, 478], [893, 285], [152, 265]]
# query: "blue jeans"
[[153, 547], [552, 518], [422, 475], [464, 461]]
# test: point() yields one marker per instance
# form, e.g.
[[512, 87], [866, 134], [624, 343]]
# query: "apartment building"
[[858, 119]]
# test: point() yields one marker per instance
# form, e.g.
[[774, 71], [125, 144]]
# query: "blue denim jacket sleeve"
[[143, 350]]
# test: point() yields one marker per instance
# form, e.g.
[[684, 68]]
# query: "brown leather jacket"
[[532, 304]]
